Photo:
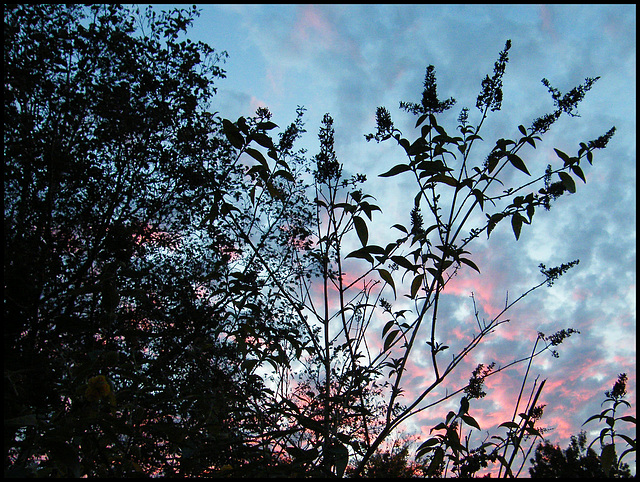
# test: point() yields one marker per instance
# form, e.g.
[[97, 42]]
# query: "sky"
[[349, 59]]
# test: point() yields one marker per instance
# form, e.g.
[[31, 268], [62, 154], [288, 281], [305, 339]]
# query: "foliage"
[[579, 459], [446, 450], [576, 461], [361, 385], [609, 458], [182, 292], [116, 362], [392, 463]]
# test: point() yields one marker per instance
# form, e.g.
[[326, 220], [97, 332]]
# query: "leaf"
[[469, 420], [242, 125], [633, 449], [428, 444], [627, 439], [440, 426], [362, 253], [387, 326], [568, 182], [389, 340], [518, 163], [396, 170], [361, 229], [628, 418], [266, 126], [592, 417], [420, 120], [436, 461], [468, 262], [563, 156], [509, 425], [416, 284], [450, 416], [577, 170], [257, 155], [516, 224], [444, 179], [285, 174], [532, 431], [386, 276], [479, 197], [369, 208], [404, 263], [233, 134], [464, 405], [493, 221], [366, 252], [262, 139]]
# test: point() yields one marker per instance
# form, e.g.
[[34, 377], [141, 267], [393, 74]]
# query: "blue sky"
[[349, 59]]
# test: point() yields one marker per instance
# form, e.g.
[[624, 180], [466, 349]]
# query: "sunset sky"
[[349, 59]]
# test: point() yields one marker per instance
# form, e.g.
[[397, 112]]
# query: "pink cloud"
[[547, 22], [275, 80], [313, 25], [483, 289], [255, 103], [314, 30]]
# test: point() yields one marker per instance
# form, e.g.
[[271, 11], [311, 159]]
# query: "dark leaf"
[[361, 229], [468, 262], [416, 284], [386, 276], [233, 134], [516, 224], [396, 170], [389, 340], [404, 263], [568, 181], [469, 420], [578, 172], [518, 163]]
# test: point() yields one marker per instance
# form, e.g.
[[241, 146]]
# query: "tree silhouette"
[[576, 461], [357, 375], [182, 292], [111, 155]]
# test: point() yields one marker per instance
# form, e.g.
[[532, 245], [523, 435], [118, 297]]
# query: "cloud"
[[350, 59], [312, 28]]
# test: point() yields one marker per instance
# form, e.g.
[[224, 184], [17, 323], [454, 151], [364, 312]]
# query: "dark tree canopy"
[[576, 461], [111, 157]]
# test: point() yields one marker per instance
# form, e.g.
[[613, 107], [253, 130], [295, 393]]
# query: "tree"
[[393, 463], [118, 359], [576, 461], [580, 459], [357, 383]]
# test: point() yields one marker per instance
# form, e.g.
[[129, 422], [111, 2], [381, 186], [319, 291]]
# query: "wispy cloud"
[[350, 59]]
